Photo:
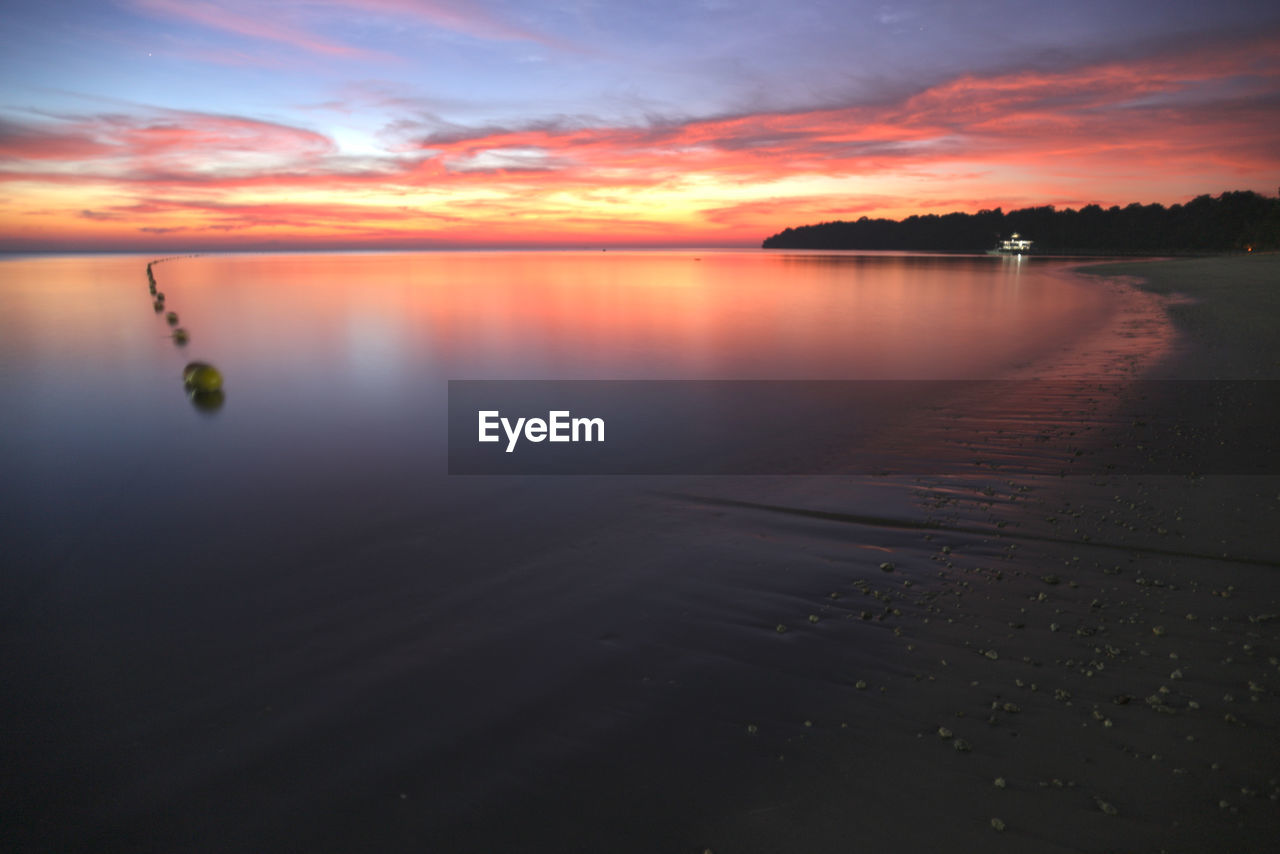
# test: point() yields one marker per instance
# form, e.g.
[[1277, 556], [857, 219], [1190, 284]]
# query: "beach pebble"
[[887, 566], [943, 732], [1000, 783], [961, 745], [997, 824]]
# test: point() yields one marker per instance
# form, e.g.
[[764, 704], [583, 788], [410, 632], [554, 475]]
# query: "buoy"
[[202, 377], [160, 296], [158, 305], [172, 317], [180, 336]]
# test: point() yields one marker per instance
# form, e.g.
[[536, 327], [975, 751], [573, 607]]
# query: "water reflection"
[[320, 537], [629, 314], [207, 402], [324, 348]]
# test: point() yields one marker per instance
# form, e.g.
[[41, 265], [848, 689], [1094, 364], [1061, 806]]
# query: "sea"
[[277, 620]]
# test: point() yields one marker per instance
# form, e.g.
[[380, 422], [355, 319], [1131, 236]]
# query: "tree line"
[[1233, 221]]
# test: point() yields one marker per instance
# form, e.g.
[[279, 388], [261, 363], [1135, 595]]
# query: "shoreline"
[[1067, 668], [987, 662], [1224, 307]]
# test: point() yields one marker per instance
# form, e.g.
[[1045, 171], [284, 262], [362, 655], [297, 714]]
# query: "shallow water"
[[281, 623]]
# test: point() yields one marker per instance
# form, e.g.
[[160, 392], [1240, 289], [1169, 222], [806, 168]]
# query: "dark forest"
[[1232, 222]]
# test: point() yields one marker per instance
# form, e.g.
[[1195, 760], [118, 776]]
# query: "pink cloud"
[[117, 147], [253, 23], [264, 21]]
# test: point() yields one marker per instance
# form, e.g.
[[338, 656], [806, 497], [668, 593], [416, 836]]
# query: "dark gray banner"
[[750, 427]]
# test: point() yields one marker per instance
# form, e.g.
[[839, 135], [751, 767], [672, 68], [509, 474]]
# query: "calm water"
[[281, 624]]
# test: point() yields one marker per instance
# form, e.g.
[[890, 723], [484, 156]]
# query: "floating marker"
[[180, 336], [201, 376], [172, 317], [158, 305]]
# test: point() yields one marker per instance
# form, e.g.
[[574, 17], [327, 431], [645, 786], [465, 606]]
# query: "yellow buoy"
[[202, 377]]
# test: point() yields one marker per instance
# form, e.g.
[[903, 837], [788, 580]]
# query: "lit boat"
[[1014, 245]]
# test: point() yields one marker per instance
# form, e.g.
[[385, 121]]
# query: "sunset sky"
[[162, 124]]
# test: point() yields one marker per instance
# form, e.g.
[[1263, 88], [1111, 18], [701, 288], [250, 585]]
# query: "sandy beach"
[[1079, 663]]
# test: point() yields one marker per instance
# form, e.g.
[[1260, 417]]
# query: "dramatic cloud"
[[1172, 121]]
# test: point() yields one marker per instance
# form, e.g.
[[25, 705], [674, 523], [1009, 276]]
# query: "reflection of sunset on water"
[[637, 314]]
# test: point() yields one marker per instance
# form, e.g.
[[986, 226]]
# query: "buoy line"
[[202, 380]]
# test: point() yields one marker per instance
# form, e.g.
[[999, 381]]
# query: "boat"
[[1016, 244]]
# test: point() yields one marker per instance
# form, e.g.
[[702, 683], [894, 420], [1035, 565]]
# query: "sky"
[[163, 124]]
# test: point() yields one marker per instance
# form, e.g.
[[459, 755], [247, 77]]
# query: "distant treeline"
[[1234, 221]]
